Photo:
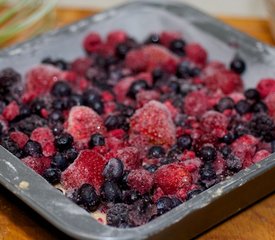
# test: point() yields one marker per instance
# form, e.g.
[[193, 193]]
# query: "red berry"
[[39, 165], [116, 37], [270, 100], [167, 37], [266, 86], [153, 114], [195, 103], [140, 180], [135, 60], [196, 53], [92, 42], [45, 137], [20, 138], [11, 111], [157, 195], [145, 96], [172, 178], [82, 123], [87, 168], [260, 155], [81, 65]]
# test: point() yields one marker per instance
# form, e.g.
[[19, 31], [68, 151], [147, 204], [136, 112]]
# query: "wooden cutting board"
[[19, 222]]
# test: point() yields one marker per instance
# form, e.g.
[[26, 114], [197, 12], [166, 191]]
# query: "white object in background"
[[242, 8]]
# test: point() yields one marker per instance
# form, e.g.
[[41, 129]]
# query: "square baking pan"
[[139, 18]]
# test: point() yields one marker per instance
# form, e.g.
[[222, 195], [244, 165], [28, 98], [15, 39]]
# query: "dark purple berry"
[[184, 142], [33, 149], [225, 103], [207, 172], [70, 154], [156, 152], [238, 65], [121, 50], [56, 116], [233, 163], [113, 169], [37, 106], [164, 204], [61, 89], [157, 74], [136, 87], [228, 138], [97, 140], [183, 70], [59, 162], [225, 151], [177, 47], [64, 141], [176, 201], [151, 168], [153, 39], [52, 175], [193, 193], [208, 153], [111, 192], [252, 94], [118, 215], [259, 107], [61, 64], [75, 100], [87, 197], [130, 196], [11, 146], [243, 107], [93, 100]]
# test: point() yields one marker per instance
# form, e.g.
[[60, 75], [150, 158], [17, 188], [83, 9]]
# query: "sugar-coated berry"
[[121, 50], [97, 140], [87, 197], [225, 151], [33, 149], [177, 46], [52, 175], [118, 215], [208, 153], [113, 170], [61, 89], [156, 152], [183, 70], [59, 161], [243, 107], [64, 141], [184, 142], [228, 138], [207, 172], [259, 107], [238, 65], [111, 192], [157, 74], [164, 204], [136, 87], [70, 154], [225, 103], [252, 94]]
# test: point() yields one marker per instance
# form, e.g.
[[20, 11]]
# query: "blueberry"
[[228, 138], [33, 149], [97, 140], [238, 65], [60, 104], [28, 124], [243, 107], [208, 153], [59, 162], [151, 168], [52, 175], [224, 104], [176, 201], [8, 77], [61, 64], [194, 72], [87, 197], [153, 38], [164, 204], [130, 196], [75, 100], [184, 142], [113, 170], [240, 129], [233, 163], [111, 192], [193, 193], [118, 215], [136, 87], [11, 146], [61, 89], [98, 106], [174, 86], [37, 106], [259, 107], [121, 50], [93, 99], [25, 111], [128, 111], [183, 70], [225, 151], [177, 47], [207, 172], [64, 141], [70, 154], [252, 94], [57, 129], [47, 60], [112, 122], [156, 152], [157, 74], [56, 116]]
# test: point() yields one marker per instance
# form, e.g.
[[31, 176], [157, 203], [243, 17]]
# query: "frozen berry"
[[259, 107], [113, 170], [184, 142], [225, 103], [111, 192], [140, 180], [59, 161], [93, 99], [243, 107], [118, 215], [52, 175], [208, 153], [96, 140], [11, 111], [153, 38], [252, 94], [207, 172], [233, 163], [225, 151], [196, 53], [183, 70], [164, 204], [238, 65], [12, 147], [193, 193], [228, 138], [136, 87], [18, 137], [33, 149], [177, 47], [61, 89], [64, 141], [156, 152], [151, 168], [112, 122], [266, 87], [70, 154], [87, 197], [39, 165], [121, 50], [130, 196], [92, 42]]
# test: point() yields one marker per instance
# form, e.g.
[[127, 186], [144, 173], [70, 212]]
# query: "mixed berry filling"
[[131, 130]]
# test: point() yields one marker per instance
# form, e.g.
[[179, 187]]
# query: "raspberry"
[[87, 168], [40, 79], [157, 194], [260, 155], [45, 137], [39, 165], [11, 111], [19, 137], [153, 114], [135, 60], [128, 155], [81, 65], [195, 103], [116, 37], [145, 96], [266, 86], [212, 68], [83, 122], [140, 180], [226, 81], [167, 37], [92, 42], [270, 99], [215, 123], [196, 53], [172, 177]]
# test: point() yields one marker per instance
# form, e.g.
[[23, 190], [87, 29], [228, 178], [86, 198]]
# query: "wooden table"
[[19, 222]]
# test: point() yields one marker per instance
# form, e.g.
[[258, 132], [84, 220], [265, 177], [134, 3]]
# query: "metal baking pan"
[[139, 19]]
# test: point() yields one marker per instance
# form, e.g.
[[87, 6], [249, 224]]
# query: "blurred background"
[[22, 19]]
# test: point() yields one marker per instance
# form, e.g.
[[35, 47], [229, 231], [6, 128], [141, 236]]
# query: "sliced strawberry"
[[195, 103], [39, 165], [87, 168], [19, 137], [155, 122]]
